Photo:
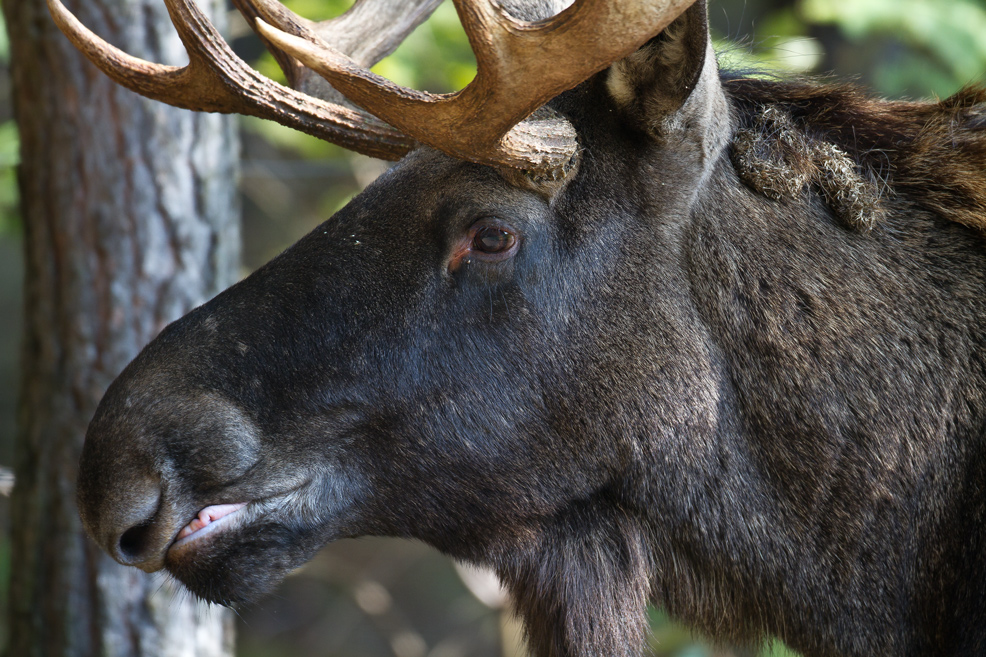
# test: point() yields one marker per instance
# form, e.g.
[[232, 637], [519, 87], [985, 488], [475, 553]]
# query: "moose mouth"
[[232, 554], [208, 520]]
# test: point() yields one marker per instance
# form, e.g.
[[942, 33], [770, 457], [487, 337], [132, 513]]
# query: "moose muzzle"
[[132, 498]]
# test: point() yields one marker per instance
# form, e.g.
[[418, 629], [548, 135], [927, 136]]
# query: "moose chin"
[[623, 327]]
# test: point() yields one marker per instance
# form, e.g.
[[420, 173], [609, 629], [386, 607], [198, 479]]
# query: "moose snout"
[[121, 503], [131, 500]]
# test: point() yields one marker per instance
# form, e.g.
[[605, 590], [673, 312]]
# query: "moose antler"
[[216, 80], [367, 33], [521, 65]]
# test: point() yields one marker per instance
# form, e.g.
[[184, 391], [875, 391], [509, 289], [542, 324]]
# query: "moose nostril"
[[142, 545], [129, 523], [135, 541]]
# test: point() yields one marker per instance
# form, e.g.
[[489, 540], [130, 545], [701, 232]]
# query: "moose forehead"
[[431, 194]]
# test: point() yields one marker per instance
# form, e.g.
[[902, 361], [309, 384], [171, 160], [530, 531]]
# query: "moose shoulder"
[[679, 337]]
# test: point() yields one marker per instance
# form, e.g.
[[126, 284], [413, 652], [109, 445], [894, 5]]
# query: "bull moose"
[[621, 326]]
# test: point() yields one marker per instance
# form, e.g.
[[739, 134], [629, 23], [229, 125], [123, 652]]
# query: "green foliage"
[[915, 48], [946, 48], [436, 57], [671, 639], [9, 158], [9, 155]]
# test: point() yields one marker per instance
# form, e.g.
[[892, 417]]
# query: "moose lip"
[[208, 520]]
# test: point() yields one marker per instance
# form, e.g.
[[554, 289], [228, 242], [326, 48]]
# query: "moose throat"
[[618, 326]]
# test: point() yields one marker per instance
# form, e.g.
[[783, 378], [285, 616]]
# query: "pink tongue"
[[209, 515]]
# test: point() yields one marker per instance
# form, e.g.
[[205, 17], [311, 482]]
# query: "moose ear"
[[671, 84]]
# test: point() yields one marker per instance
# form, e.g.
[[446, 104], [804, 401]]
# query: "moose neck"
[[802, 407], [837, 491]]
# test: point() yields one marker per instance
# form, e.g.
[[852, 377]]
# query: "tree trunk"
[[130, 220]]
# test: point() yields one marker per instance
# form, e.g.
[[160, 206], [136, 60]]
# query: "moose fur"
[[736, 368]]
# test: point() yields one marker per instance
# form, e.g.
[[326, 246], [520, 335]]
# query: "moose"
[[621, 326]]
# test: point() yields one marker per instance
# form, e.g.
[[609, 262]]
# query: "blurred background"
[[376, 597]]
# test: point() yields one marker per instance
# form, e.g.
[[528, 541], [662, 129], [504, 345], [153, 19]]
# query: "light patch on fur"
[[672, 52], [779, 160], [619, 86], [652, 84], [628, 78]]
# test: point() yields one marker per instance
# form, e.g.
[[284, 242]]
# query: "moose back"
[[681, 337]]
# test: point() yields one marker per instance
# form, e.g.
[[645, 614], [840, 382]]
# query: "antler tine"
[[216, 80], [289, 22], [512, 80], [367, 32]]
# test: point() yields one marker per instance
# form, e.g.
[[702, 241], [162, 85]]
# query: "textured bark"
[[130, 220]]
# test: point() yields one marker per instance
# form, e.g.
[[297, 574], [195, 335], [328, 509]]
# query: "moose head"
[[617, 325]]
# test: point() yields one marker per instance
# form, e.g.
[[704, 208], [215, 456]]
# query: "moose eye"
[[488, 240], [491, 238]]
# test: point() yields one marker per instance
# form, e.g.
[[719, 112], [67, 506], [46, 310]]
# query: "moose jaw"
[[626, 329]]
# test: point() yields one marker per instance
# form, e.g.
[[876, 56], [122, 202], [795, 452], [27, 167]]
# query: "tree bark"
[[130, 220]]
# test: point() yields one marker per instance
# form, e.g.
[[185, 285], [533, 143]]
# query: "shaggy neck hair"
[[860, 152]]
